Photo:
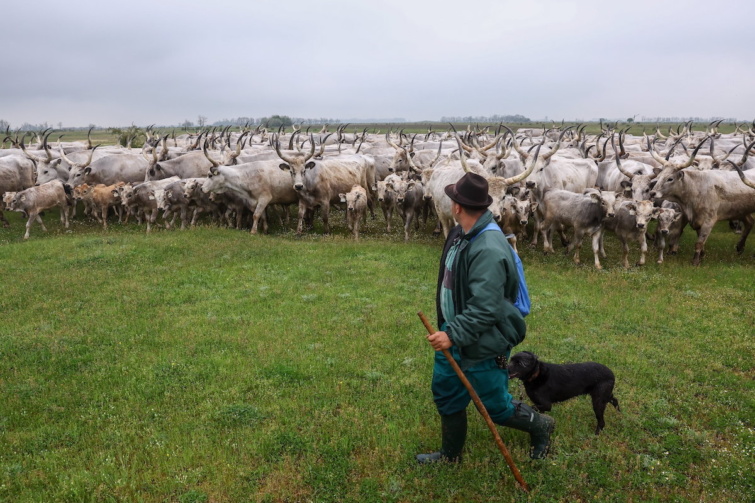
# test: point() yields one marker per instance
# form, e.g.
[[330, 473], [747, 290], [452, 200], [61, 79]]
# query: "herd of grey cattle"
[[556, 179]]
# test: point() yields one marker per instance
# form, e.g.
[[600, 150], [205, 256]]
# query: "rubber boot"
[[454, 434], [539, 426]]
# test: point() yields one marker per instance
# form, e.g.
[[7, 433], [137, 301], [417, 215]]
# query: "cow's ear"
[[410, 185], [22, 198], [412, 154], [514, 191], [681, 175], [534, 207], [656, 212], [652, 184], [626, 184], [342, 197], [595, 197], [677, 216], [309, 165], [87, 170], [657, 170], [359, 195], [115, 192], [284, 166], [632, 208]]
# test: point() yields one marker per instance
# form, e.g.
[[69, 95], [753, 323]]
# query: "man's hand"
[[439, 341]]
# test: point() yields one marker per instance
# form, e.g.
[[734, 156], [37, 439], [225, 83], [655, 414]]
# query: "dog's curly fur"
[[549, 383]]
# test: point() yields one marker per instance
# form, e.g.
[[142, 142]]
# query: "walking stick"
[[480, 407]]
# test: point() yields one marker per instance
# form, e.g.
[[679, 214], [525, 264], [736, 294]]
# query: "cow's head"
[[666, 218], [643, 211], [297, 163]]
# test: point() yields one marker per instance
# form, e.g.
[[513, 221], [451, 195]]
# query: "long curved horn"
[[214, 163], [524, 155], [692, 157], [47, 147], [558, 144], [322, 145], [276, 143], [461, 155], [655, 155], [390, 142], [744, 156], [89, 138], [30, 156], [312, 148], [291, 140], [742, 174], [673, 147], [617, 157], [526, 172]]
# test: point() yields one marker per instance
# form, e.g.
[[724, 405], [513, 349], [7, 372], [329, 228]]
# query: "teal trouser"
[[490, 382]]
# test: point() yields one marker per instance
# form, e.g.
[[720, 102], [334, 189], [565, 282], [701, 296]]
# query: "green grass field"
[[210, 365]]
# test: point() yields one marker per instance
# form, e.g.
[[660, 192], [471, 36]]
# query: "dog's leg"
[[601, 395], [614, 402]]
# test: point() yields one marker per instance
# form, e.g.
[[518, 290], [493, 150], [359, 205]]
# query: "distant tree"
[[201, 120], [276, 121], [4, 125], [187, 124]]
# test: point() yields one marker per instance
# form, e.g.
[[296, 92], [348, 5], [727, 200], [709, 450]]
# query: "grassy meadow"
[[210, 365]]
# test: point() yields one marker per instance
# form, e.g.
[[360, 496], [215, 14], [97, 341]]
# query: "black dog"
[[548, 383]]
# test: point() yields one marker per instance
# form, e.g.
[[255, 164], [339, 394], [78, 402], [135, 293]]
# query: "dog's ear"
[[531, 354]]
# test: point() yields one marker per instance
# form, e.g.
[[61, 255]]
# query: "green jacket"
[[486, 282]]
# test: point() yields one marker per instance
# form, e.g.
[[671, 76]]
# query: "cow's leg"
[[747, 223], [39, 219], [643, 248], [184, 217], [660, 245], [624, 251], [6, 224], [544, 231], [104, 216], [537, 226], [239, 217], [325, 210], [302, 215], [577, 244], [702, 236], [259, 211], [32, 217], [512, 242], [596, 247]]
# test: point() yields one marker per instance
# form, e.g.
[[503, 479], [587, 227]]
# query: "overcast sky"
[[116, 63]]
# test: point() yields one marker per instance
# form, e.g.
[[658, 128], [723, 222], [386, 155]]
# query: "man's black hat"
[[471, 191]]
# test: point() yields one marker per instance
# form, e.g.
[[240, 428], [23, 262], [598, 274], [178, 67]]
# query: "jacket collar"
[[484, 220]]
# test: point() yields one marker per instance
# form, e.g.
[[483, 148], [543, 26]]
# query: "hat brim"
[[458, 198]]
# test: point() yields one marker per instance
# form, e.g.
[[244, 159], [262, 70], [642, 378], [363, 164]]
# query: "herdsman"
[[479, 324]]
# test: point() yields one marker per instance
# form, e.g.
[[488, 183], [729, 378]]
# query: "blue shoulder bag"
[[522, 301]]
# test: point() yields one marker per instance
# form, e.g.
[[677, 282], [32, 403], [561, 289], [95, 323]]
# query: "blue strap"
[[492, 226], [522, 301]]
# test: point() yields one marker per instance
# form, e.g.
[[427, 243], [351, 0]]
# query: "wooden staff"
[[480, 407]]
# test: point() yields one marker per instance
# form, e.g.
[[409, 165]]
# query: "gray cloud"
[[82, 62]]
